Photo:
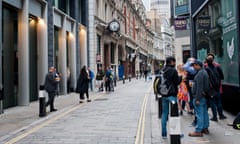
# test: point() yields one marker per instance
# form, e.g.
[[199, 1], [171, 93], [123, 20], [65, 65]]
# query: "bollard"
[[160, 106], [124, 79], [42, 107], [174, 124], [1, 100], [129, 77]]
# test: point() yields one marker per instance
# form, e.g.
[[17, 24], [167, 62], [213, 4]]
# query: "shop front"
[[217, 31]]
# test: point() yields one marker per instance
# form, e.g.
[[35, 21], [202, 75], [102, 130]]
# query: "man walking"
[[172, 80], [51, 83], [200, 88]]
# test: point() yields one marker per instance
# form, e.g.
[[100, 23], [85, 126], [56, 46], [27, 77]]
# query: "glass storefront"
[[216, 32]]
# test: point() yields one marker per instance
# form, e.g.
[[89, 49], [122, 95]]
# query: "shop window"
[[112, 53], [98, 44]]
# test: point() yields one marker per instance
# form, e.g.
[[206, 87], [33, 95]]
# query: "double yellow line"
[[141, 124], [51, 120]]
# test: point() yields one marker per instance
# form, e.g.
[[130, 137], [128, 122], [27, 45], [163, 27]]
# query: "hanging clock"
[[114, 26]]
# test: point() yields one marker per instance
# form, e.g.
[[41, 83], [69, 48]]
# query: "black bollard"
[[160, 107], [174, 123], [42, 107], [123, 79], [1, 100]]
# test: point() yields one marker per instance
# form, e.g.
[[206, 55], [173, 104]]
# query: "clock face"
[[114, 26]]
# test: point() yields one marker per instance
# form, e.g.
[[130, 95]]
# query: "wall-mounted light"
[[40, 21]]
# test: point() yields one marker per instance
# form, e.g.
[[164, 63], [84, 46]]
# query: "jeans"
[[216, 105], [201, 114], [91, 84], [165, 112]]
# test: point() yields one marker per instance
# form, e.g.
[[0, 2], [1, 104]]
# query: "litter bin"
[[42, 98]]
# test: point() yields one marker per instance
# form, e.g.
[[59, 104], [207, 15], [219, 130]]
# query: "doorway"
[[33, 68], [10, 56]]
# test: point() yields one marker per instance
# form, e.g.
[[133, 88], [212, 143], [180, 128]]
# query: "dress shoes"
[[53, 110], [195, 134]]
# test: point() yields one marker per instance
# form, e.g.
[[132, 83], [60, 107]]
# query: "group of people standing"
[[194, 85]]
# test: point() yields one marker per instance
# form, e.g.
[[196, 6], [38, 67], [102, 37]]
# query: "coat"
[[82, 83], [201, 84], [50, 83]]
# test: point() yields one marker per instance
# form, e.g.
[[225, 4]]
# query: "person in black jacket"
[[51, 83], [83, 84], [173, 80]]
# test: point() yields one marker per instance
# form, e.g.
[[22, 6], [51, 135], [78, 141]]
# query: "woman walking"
[[83, 84]]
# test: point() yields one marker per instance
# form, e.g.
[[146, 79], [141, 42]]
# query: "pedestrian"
[[108, 78], [215, 102], [99, 79], [51, 83], [183, 94], [83, 84], [91, 75], [200, 87], [191, 72], [172, 80], [145, 74]]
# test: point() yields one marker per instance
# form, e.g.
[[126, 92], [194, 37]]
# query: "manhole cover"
[[101, 99]]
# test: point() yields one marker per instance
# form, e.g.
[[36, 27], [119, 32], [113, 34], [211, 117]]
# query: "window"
[[112, 53], [98, 44]]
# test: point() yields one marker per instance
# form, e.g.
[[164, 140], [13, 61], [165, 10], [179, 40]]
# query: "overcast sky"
[[146, 4]]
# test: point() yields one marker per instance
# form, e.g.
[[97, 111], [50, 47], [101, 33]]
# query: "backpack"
[[162, 87], [236, 122], [214, 78]]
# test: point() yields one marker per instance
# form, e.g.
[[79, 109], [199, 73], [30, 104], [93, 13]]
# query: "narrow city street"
[[129, 115], [114, 117]]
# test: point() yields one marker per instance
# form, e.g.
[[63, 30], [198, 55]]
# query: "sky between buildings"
[[146, 4]]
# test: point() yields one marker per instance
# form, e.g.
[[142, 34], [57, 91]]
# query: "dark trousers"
[[216, 105], [51, 96], [82, 95], [108, 86]]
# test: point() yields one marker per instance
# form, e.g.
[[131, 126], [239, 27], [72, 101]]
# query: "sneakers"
[[214, 119]]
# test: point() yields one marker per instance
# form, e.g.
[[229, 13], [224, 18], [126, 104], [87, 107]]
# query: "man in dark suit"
[[51, 82]]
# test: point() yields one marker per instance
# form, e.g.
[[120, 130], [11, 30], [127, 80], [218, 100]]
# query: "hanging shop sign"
[[204, 22], [180, 24]]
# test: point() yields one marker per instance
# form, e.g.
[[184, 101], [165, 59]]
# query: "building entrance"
[[10, 56]]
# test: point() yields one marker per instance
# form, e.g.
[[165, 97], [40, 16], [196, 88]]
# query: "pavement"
[[18, 120]]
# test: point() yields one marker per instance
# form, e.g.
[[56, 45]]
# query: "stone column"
[[73, 57], [83, 45], [42, 47], [62, 57], [23, 54]]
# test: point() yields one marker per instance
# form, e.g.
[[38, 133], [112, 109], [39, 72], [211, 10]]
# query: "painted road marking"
[[141, 123], [36, 128]]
